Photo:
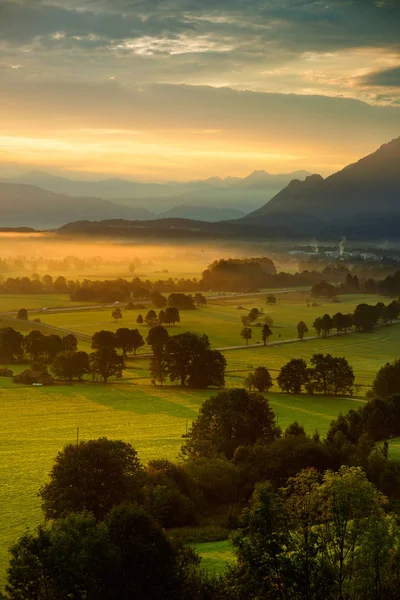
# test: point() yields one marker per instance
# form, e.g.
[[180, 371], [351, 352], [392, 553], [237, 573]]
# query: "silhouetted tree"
[[246, 334], [106, 363], [293, 376]]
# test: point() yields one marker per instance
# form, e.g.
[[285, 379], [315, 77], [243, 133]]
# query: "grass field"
[[215, 555], [38, 422], [13, 302]]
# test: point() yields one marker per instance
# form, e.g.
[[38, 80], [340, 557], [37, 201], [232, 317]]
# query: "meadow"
[[38, 422]]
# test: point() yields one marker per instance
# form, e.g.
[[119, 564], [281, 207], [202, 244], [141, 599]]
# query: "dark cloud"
[[385, 78]]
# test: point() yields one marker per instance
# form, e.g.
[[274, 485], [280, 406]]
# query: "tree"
[[199, 300], [22, 314], [158, 369], [262, 379], [151, 317], [365, 317], [387, 380], [69, 342], [181, 301], [158, 300], [126, 556], [128, 340], [10, 345], [317, 324], [91, 476], [103, 339], [302, 329], [323, 288], [271, 299], [228, 420], [157, 337], [171, 315], [253, 315], [266, 333], [70, 364], [339, 322], [293, 376], [139, 320], [348, 503], [34, 345], [116, 314], [246, 334], [331, 375], [106, 363], [326, 324], [208, 369], [180, 353]]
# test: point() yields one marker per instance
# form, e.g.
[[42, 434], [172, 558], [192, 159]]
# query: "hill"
[[31, 206], [371, 185]]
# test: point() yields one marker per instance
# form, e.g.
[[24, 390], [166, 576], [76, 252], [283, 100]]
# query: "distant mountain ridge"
[[244, 194], [29, 205], [371, 185]]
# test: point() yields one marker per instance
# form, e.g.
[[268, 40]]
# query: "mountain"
[[32, 206], [232, 192], [262, 180], [202, 213], [369, 186]]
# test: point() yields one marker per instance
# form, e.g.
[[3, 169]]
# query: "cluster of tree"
[[35, 347], [364, 318], [169, 316], [186, 358], [257, 273], [328, 375], [307, 533]]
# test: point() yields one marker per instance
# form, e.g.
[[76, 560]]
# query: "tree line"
[[364, 318]]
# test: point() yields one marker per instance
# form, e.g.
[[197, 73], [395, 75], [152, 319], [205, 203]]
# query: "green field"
[[38, 422], [13, 302], [215, 555]]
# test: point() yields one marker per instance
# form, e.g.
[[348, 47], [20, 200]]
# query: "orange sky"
[[176, 93]]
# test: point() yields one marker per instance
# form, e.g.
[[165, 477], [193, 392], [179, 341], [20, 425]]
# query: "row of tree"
[[328, 375], [35, 347], [364, 318]]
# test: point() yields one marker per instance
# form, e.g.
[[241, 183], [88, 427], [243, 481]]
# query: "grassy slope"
[[215, 555]]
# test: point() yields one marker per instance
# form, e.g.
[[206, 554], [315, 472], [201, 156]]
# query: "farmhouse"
[[31, 376]]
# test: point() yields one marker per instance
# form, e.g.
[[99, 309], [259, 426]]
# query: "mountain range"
[[244, 194], [360, 201], [368, 187]]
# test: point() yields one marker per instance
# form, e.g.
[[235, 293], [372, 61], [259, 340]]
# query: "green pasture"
[[220, 318], [13, 302], [215, 555], [38, 422]]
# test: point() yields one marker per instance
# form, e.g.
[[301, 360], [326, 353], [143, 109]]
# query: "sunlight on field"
[[38, 422], [215, 556]]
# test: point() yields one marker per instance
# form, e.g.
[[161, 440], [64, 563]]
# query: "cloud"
[[387, 77]]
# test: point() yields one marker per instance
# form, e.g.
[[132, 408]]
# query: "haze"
[[177, 90]]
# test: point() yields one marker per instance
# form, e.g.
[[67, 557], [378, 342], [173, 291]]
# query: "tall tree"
[[10, 345], [103, 339], [157, 338], [128, 340], [262, 379], [180, 353], [22, 314], [116, 314], [246, 334], [208, 369], [91, 476], [266, 333], [106, 363], [228, 420], [302, 329], [293, 376], [69, 365], [70, 343]]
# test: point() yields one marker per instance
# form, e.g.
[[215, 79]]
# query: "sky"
[[185, 89]]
